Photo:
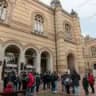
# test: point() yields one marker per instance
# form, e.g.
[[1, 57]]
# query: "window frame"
[[93, 51], [68, 34], [3, 10], [38, 23]]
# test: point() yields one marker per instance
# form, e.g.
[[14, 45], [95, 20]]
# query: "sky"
[[86, 10]]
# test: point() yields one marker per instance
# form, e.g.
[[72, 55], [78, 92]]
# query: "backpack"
[[67, 81]]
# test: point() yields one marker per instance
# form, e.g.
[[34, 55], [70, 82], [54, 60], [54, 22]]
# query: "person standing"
[[48, 79], [85, 84], [44, 76], [91, 81], [30, 84], [9, 89], [63, 77], [67, 82], [5, 81], [18, 81], [13, 79], [54, 82], [75, 82], [24, 80], [37, 82]]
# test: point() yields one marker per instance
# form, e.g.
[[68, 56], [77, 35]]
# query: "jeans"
[[17, 86], [86, 91], [54, 86], [77, 90], [92, 87], [67, 89], [29, 91], [44, 85]]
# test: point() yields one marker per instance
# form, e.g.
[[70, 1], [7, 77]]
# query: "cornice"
[[70, 41], [25, 31], [41, 4]]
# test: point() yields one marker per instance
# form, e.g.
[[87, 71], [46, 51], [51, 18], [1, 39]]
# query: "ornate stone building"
[[34, 36], [89, 53]]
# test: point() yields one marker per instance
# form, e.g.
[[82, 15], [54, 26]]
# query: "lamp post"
[[3, 68]]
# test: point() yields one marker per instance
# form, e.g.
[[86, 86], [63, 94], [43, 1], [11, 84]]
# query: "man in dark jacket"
[[44, 76], [75, 82], [37, 82], [13, 79], [48, 79], [67, 82], [54, 81]]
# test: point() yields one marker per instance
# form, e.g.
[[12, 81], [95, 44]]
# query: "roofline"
[[64, 11], [50, 8], [45, 5]]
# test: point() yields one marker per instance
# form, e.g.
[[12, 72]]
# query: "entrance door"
[[71, 62], [45, 62], [30, 57]]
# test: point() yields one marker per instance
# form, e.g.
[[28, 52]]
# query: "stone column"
[[21, 60], [50, 64], [38, 63]]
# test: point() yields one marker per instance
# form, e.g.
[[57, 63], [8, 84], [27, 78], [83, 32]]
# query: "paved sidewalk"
[[62, 93], [59, 90]]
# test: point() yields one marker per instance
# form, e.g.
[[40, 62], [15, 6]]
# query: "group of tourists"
[[31, 82], [88, 81], [71, 83]]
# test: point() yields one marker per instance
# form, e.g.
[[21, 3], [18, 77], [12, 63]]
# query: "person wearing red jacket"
[[9, 88], [91, 81], [30, 84]]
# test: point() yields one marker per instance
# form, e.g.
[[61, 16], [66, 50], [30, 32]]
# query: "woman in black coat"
[[85, 85]]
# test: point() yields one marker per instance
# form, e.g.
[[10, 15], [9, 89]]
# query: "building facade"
[[34, 36], [89, 53]]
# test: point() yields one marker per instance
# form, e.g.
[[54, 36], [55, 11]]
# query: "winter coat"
[[54, 78], [91, 79], [13, 79], [67, 81], [75, 79], [37, 80], [9, 88], [85, 83], [48, 78], [5, 81], [31, 80]]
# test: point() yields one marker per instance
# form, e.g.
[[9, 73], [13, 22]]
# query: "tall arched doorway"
[[71, 62], [94, 69], [30, 59], [45, 62], [11, 58]]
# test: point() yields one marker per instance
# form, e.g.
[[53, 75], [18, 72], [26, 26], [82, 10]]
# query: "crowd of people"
[[31, 82], [71, 83]]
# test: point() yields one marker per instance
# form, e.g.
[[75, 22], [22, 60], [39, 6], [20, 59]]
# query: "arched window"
[[39, 24], [3, 9], [68, 33], [67, 28], [12, 53]]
